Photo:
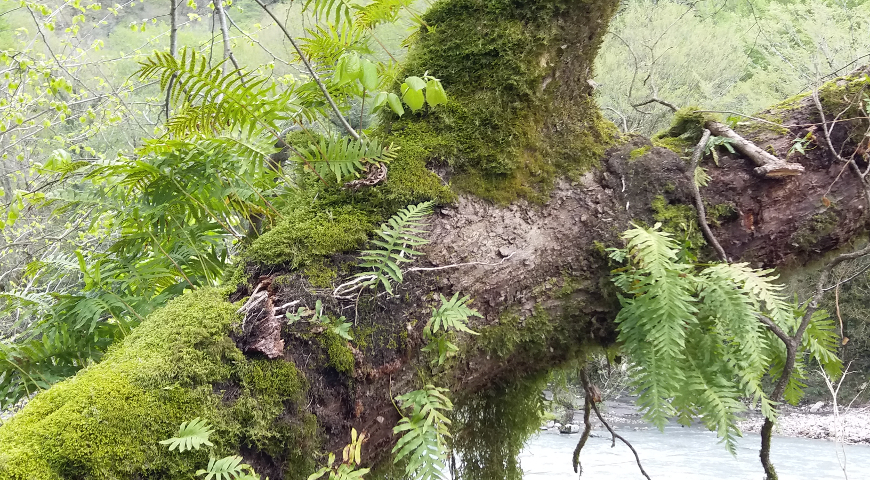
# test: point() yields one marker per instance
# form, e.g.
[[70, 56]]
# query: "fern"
[[236, 100], [228, 468], [423, 433], [324, 45], [191, 436], [397, 236], [452, 314], [343, 157], [695, 336]]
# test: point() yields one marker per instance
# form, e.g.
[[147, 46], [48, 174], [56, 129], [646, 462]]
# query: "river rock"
[[570, 428], [816, 407]]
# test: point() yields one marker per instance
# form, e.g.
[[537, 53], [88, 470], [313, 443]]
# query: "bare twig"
[[699, 202], [587, 429], [312, 72], [655, 100], [587, 387]]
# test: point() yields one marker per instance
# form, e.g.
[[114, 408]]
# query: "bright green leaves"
[[451, 315], [416, 92], [228, 468], [695, 336], [413, 92], [423, 433], [191, 436], [348, 468], [343, 157], [435, 94]]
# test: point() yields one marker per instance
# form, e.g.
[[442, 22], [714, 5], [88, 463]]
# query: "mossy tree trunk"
[[532, 185]]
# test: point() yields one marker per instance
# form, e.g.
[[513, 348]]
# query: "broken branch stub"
[[767, 165]]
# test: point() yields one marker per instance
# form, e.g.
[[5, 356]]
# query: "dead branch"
[[655, 100], [587, 429], [699, 202], [767, 165], [590, 390]]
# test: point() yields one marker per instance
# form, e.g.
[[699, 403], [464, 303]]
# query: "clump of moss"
[[494, 131], [685, 130], [639, 152], [307, 233], [269, 378], [495, 424], [514, 332], [679, 219], [320, 274], [106, 421], [340, 355], [818, 227]]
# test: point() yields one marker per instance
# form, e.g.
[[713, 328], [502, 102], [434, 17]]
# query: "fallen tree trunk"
[[531, 186]]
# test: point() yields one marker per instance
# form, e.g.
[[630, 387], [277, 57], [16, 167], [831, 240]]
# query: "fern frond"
[[452, 314], [344, 157], [380, 11], [191, 436], [227, 468], [324, 45], [334, 10], [821, 341], [397, 236], [424, 432], [235, 100]]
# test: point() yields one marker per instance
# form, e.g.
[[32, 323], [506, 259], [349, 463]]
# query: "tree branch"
[[311, 71], [699, 202]]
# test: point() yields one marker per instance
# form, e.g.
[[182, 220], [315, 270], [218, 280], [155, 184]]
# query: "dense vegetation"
[[154, 163]]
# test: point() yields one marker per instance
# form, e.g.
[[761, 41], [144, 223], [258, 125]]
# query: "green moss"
[[639, 152], [320, 274], [718, 213], [106, 421], [679, 219], [514, 332], [273, 378], [236, 276], [309, 232], [495, 424], [493, 132], [818, 227], [685, 130], [340, 355]]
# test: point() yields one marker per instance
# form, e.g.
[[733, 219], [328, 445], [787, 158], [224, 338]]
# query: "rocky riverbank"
[[851, 426], [818, 421]]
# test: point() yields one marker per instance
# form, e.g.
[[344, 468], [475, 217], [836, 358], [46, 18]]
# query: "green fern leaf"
[[191, 436], [227, 468], [398, 234]]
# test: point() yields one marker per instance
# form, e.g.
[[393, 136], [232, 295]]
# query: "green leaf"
[[414, 98], [191, 436], [435, 94], [395, 104], [369, 78], [415, 83]]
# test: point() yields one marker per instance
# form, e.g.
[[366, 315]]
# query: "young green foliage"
[[348, 469], [695, 336]]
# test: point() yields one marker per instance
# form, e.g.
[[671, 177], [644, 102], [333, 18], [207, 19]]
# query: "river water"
[[688, 454]]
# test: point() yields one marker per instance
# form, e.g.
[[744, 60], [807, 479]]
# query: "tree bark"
[[536, 268]]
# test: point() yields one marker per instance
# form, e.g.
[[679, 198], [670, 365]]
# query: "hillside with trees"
[[249, 239]]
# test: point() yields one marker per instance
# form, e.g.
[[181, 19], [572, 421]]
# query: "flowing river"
[[689, 453]]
